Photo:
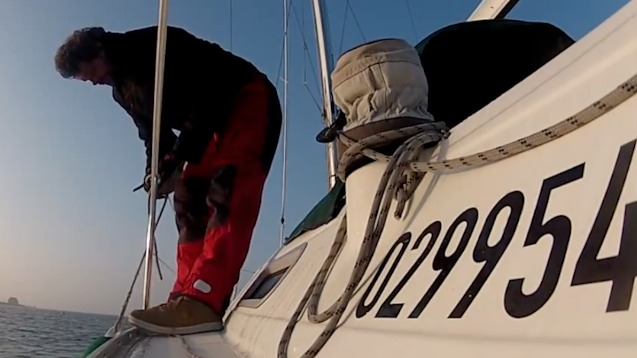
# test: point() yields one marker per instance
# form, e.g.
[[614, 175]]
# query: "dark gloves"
[[169, 171]]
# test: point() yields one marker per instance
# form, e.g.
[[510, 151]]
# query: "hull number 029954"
[[620, 270]]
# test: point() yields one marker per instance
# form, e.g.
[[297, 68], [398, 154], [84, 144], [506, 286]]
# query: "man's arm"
[[191, 144], [185, 67], [182, 73], [144, 131]]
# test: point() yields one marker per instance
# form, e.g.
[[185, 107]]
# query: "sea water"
[[29, 332]]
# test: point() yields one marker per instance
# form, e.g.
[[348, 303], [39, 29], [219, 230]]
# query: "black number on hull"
[[621, 269], [402, 242], [391, 310], [516, 302], [444, 263], [490, 255]]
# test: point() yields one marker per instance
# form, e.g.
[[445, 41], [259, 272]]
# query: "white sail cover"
[[380, 81]]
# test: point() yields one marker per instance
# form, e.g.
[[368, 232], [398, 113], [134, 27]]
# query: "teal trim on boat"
[[96, 344], [323, 212]]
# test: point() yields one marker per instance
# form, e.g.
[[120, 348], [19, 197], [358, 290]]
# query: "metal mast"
[[492, 9], [152, 200], [327, 65]]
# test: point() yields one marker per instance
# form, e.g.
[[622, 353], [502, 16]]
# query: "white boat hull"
[[535, 255]]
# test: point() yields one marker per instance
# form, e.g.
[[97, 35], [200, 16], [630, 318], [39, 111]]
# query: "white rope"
[[399, 181], [398, 164]]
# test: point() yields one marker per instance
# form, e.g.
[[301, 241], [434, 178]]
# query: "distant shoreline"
[[5, 304], [10, 304], [15, 305]]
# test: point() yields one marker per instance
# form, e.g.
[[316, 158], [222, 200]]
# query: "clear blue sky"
[[71, 230]]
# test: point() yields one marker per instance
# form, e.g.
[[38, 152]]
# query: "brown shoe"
[[183, 315]]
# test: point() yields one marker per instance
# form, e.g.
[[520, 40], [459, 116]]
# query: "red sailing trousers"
[[217, 201]]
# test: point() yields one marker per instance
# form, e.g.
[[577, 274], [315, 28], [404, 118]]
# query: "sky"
[[71, 230]]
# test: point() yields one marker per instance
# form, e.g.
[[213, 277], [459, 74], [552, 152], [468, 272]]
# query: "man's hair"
[[83, 45]]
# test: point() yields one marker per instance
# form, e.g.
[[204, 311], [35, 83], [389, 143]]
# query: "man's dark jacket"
[[200, 82]]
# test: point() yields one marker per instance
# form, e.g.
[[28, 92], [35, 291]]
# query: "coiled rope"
[[399, 181]]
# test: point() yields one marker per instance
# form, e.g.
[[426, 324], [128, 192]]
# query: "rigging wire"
[[307, 57], [350, 9], [286, 59], [301, 24], [340, 44], [358, 25], [411, 19], [118, 322]]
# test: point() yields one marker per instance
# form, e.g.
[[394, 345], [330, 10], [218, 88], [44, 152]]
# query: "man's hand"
[[168, 174]]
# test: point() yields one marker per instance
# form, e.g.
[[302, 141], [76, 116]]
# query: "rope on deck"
[[400, 179]]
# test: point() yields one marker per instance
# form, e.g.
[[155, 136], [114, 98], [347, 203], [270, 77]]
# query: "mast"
[[327, 65], [152, 199], [492, 9]]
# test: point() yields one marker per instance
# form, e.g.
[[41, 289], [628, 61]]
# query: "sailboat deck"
[[136, 343]]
